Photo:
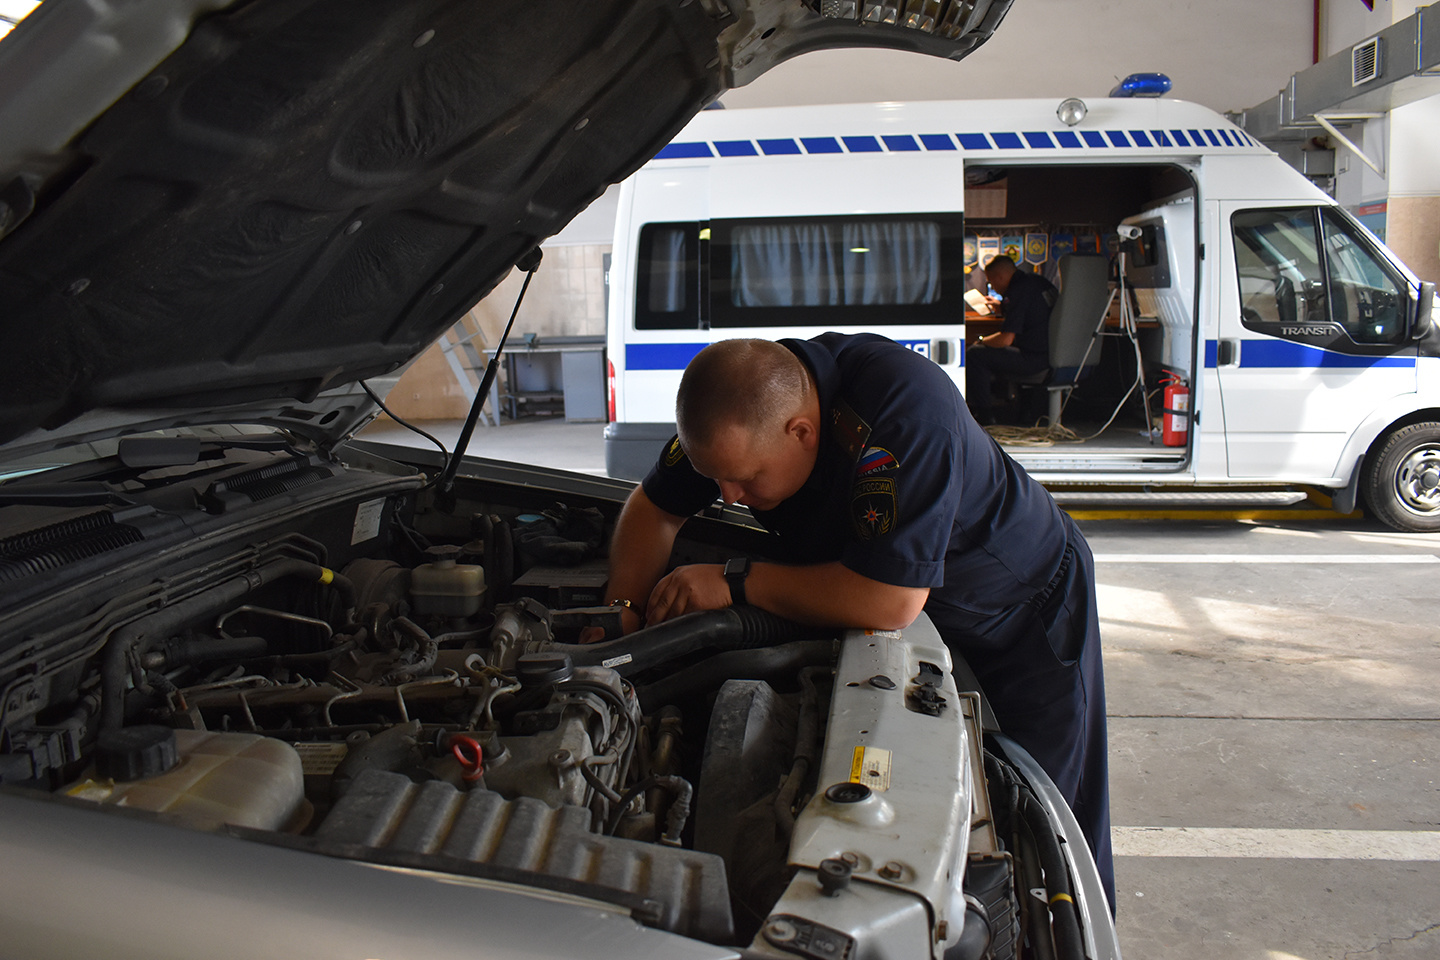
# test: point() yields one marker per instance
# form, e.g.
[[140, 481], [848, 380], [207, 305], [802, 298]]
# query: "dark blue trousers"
[[984, 364], [1039, 665]]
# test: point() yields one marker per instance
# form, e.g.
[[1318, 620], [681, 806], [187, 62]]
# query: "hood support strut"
[[529, 263]]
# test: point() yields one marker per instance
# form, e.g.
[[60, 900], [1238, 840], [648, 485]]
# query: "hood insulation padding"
[[310, 191]]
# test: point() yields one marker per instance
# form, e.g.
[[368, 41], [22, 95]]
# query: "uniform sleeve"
[[903, 499], [674, 486]]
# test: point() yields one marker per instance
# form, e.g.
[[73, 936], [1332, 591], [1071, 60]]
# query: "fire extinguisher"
[[1175, 427]]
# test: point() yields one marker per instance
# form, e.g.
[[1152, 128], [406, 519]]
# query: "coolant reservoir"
[[445, 588], [205, 779]]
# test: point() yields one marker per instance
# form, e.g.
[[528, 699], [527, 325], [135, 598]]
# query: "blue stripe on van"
[[660, 356], [1212, 350], [735, 148], [901, 144], [1286, 354], [1004, 140], [683, 151], [779, 148]]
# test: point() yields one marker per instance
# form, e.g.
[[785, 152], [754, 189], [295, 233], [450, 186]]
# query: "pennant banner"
[[1012, 247], [989, 250], [1037, 248]]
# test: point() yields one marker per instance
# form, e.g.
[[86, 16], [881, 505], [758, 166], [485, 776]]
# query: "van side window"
[[1306, 275], [667, 298], [837, 270]]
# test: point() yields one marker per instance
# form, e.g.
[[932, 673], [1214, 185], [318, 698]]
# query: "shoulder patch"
[[674, 453], [876, 460], [848, 429], [873, 507]]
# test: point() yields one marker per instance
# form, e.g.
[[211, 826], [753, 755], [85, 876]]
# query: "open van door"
[[1313, 336]]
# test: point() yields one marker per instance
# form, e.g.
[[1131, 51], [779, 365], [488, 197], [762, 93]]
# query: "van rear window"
[[832, 271]]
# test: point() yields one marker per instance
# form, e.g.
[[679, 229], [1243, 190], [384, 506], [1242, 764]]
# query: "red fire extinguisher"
[[1175, 426]]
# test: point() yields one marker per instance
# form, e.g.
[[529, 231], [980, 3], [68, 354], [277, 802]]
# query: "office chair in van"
[[1074, 320]]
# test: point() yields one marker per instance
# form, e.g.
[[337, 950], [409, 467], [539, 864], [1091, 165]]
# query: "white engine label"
[[614, 662], [367, 521], [320, 758]]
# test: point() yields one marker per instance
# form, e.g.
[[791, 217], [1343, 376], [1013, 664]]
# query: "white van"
[[1307, 348]]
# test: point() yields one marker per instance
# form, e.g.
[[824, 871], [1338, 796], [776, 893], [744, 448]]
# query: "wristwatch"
[[736, 570]]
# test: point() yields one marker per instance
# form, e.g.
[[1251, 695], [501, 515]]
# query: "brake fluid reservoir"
[[205, 779], [445, 588]]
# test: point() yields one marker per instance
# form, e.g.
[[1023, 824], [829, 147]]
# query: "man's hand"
[[699, 586]]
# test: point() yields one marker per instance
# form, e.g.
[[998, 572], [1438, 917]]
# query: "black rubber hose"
[[186, 652], [1069, 944], [769, 664], [732, 628]]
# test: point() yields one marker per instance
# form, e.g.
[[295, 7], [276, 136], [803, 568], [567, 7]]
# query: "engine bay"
[[305, 653]]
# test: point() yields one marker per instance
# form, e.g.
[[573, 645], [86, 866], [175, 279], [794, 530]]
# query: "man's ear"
[[805, 431]]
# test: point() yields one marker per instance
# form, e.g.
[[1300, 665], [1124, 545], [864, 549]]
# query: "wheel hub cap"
[[1417, 481]]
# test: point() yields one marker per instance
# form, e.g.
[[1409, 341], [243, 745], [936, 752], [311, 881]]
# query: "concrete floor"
[[1274, 680]]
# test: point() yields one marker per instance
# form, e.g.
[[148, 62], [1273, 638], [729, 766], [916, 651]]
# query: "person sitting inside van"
[[1021, 347]]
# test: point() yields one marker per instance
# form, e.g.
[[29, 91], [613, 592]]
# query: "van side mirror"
[[1422, 321]]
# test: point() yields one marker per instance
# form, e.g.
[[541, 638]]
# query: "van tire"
[[1402, 479]]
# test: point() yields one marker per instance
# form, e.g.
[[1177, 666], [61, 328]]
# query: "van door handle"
[[1227, 353]]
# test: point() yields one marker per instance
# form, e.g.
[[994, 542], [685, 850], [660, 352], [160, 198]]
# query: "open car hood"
[[216, 212]]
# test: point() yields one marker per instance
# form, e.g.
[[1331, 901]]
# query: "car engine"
[[296, 654]]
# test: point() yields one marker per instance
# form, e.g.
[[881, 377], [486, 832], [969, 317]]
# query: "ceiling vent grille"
[[1365, 62]]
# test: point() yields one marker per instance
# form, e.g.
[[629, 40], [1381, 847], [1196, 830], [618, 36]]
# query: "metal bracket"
[[1325, 121]]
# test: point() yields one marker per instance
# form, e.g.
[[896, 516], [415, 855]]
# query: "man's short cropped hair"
[[757, 384], [1000, 264]]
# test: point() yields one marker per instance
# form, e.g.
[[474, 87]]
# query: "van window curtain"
[[667, 270], [835, 264]]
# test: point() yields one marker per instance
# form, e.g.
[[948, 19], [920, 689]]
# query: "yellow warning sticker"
[[871, 766]]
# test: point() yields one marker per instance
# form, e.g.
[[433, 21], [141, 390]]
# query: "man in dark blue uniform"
[[862, 457], [1022, 344]]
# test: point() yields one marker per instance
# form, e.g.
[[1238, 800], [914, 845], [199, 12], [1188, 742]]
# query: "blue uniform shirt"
[[907, 489], [1028, 302]]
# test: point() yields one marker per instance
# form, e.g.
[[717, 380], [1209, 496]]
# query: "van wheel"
[[1402, 481]]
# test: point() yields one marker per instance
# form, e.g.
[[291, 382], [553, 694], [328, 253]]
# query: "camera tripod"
[[1128, 329]]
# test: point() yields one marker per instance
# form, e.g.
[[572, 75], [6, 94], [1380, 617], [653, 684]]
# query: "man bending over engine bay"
[[862, 457]]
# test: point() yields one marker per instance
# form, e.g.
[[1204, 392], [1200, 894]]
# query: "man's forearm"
[[834, 595], [640, 550]]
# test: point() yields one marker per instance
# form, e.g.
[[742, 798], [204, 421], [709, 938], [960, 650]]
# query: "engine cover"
[[389, 811]]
